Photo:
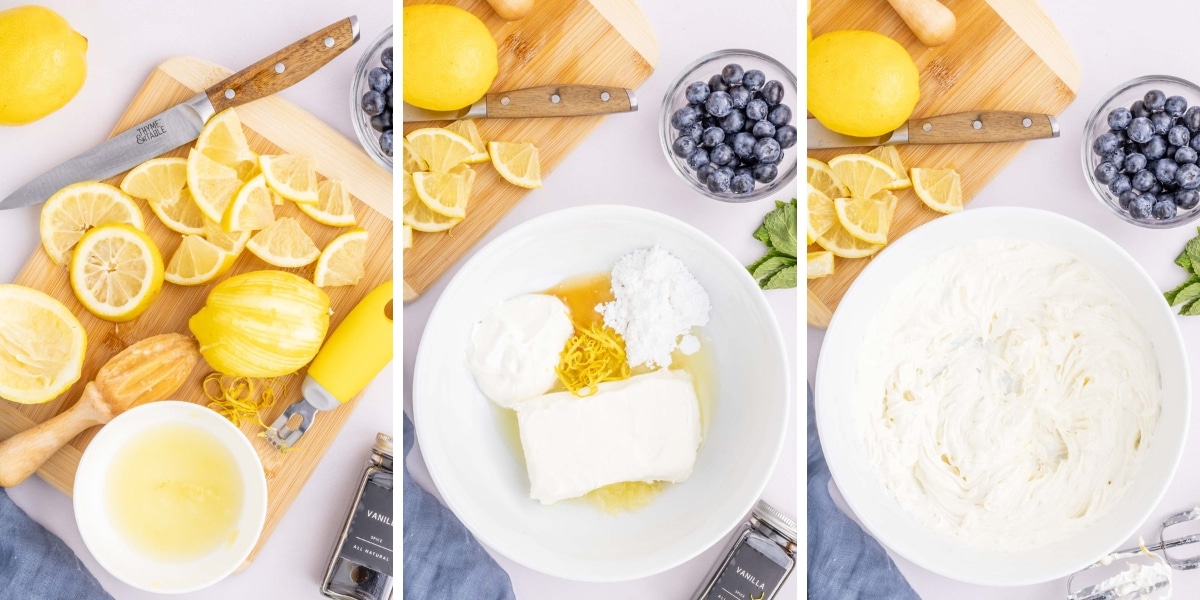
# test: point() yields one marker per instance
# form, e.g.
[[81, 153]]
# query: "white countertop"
[[125, 41], [635, 173], [1104, 35]]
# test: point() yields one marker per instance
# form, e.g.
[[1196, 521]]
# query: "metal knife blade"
[[821, 137], [161, 133]]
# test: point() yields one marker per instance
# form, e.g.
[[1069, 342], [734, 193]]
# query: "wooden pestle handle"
[[284, 68], [933, 23], [24, 453]]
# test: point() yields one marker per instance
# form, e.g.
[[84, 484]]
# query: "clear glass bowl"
[[367, 135], [702, 70], [1124, 95]]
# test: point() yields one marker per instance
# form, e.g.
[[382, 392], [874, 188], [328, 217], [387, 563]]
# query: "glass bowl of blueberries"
[[727, 125], [371, 100], [1141, 151]]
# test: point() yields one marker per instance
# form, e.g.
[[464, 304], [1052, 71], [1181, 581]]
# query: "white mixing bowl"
[[474, 465], [856, 477]]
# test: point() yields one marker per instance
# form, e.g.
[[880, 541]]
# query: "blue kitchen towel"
[[844, 562], [36, 565], [442, 560]]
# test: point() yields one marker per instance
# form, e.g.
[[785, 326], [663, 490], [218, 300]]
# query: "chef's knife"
[[182, 123], [959, 128], [544, 101], [352, 356]]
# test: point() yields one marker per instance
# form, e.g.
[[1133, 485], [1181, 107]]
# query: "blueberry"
[[703, 173], [772, 92], [767, 173], [683, 146], [1106, 172], [1164, 210], [733, 122], [1175, 105], [1157, 189], [710, 121], [1119, 118], [1138, 109], [1105, 143], [763, 129], [1120, 184], [743, 144], [386, 57], [712, 136], [1116, 157], [780, 115], [1155, 100], [1125, 198], [379, 79], [1188, 176], [718, 104], [696, 92], [389, 96], [1141, 181], [786, 136], [382, 121], [1155, 148], [721, 155], [1186, 155], [767, 151], [756, 110], [716, 84], [1171, 150], [732, 74], [754, 80], [698, 158], [373, 102], [1194, 144], [718, 181], [1140, 130], [684, 118], [1165, 170], [1122, 137], [1140, 208], [1179, 135], [696, 132], [385, 143], [740, 96], [1187, 199], [1163, 197], [1191, 118], [1162, 122], [1135, 162], [742, 183]]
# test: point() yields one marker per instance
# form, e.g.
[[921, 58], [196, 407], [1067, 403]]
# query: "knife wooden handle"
[[982, 126], [285, 67], [560, 101]]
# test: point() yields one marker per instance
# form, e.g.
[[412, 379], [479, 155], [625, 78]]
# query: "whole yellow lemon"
[[860, 83], [43, 62], [449, 57]]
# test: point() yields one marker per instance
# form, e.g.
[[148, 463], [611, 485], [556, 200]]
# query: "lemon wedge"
[[823, 179], [417, 215], [42, 346], [412, 161], [212, 184], [517, 163], [180, 215], [157, 180], [251, 208], [467, 129], [863, 175], [75, 209], [232, 242], [116, 272], [444, 193], [333, 207], [867, 219], [820, 264], [891, 157], [197, 261], [939, 189], [822, 215], [441, 149], [284, 244], [223, 140], [343, 261], [842, 243], [293, 177]]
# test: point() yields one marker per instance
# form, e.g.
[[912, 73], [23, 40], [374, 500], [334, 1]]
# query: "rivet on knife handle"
[[560, 101], [982, 126], [285, 67]]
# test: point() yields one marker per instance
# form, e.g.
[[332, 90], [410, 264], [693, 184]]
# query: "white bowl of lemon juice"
[[170, 497]]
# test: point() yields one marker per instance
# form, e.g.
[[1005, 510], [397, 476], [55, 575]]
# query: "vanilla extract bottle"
[[761, 558], [361, 565]]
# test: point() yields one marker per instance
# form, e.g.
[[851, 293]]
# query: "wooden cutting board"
[[1005, 55], [597, 42], [273, 126]]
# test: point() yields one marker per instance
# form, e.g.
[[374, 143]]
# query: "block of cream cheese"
[[645, 428], [513, 351]]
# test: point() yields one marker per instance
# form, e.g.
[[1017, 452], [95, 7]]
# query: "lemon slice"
[[440, 148], [939, 189], [467, 129], [116, 272], [73, 210], [293, 177], [43, 346], [212, 184], [232, 242], [444, 193], [251, 208], [822, 215], [820, 264], [333, 207], [412, 161], [517, 163], [342, 261], [284, 244], [156, 180], [407, 236], [822, 178], [867, 219], [197, 261], [841, 243], [418, 216], [863, 175], [223, 140], [891, 157], [180, 215]]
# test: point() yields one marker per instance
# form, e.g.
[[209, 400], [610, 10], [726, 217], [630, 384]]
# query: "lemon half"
[[42, 346]]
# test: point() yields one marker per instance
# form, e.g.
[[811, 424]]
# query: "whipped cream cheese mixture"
[[1006, 394]]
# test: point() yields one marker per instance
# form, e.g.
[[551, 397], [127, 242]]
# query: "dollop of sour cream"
[[513, 351], [1006, 393]]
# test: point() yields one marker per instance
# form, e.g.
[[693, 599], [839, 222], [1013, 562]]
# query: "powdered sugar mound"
[[657, 301]]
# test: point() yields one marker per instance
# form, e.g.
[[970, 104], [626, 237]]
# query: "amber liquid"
[[581, 295]]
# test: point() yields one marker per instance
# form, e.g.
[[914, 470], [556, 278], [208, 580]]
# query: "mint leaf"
[[1192, 308], [1192, 249], [781, 227], [784, 278], [1183, 261], [769, 255], [1186, 291], [761, 234], [770, 265]]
